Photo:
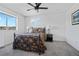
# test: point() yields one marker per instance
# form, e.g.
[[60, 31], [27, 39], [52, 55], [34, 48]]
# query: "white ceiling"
[[52, 7]]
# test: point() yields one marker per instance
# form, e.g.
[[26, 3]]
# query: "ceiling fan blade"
[[29, 9], [38, 4], [43, 8], [31, 5]]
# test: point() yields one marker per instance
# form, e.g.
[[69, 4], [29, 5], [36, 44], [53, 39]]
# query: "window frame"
[[6, 26]]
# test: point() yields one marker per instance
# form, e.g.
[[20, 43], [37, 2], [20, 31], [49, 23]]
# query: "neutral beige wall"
[[56, 21], [72, 31]]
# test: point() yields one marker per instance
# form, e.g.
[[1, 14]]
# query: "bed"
[[30, 42]]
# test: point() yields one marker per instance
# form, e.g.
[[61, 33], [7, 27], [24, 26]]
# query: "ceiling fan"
[[36, 6]]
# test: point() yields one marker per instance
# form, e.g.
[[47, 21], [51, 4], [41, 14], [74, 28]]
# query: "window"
[[36, 22], [7, 22]]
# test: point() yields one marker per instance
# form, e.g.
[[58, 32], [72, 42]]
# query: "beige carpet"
[[53, 49]]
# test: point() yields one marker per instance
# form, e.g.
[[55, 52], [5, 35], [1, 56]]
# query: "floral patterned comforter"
[[30, 42]]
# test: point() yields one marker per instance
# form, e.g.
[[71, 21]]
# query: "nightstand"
[[49, 38]]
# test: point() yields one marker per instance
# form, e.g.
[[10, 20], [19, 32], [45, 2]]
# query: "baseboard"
[[60, 40], [5, 45], [72, 46]]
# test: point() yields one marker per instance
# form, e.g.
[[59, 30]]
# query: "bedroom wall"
[[6, 36], [72, 31], [56, 20]]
